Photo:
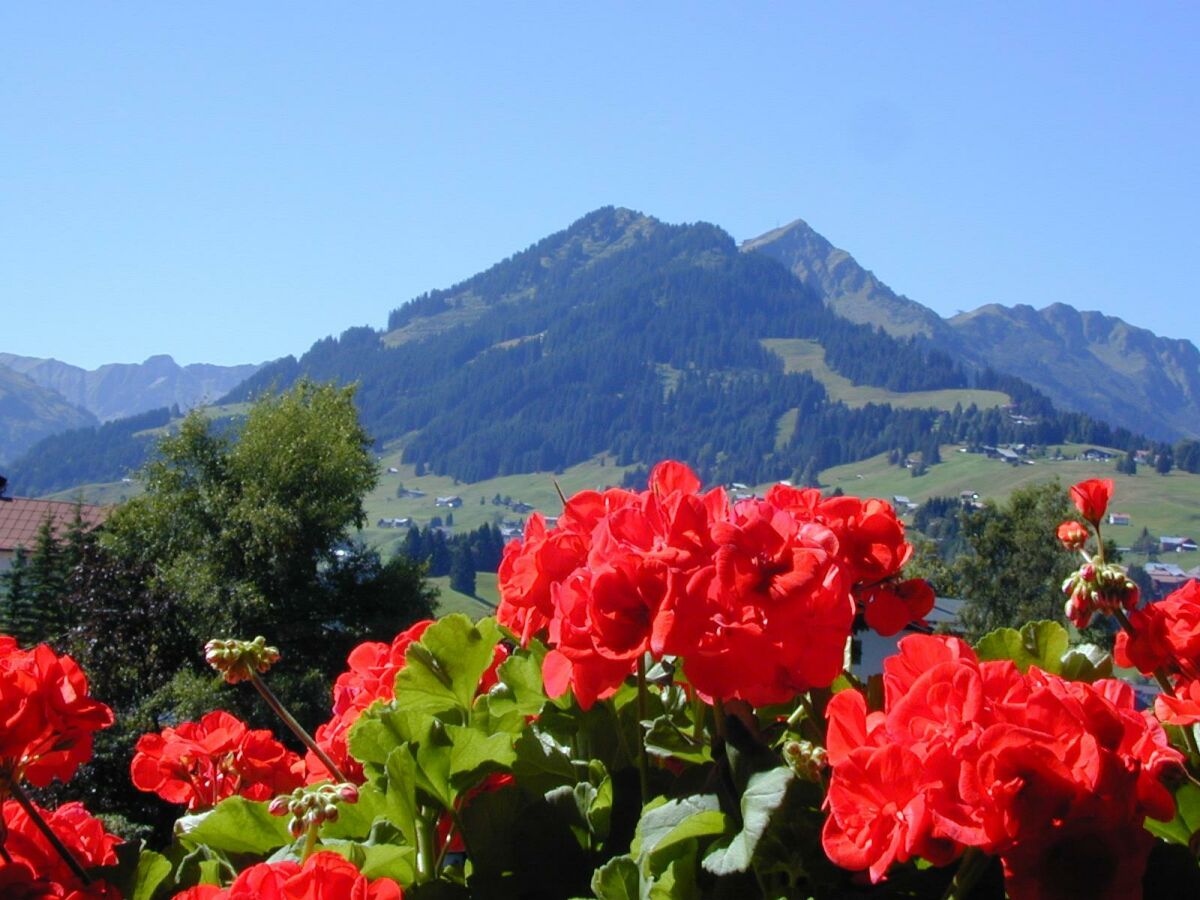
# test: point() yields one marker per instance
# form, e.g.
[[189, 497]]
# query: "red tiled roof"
[[20, 519]]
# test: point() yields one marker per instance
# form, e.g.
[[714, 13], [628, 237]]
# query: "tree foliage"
[[1012, 572]]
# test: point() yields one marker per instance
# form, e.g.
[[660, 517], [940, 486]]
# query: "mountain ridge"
[[118, 390], [1083, 360]]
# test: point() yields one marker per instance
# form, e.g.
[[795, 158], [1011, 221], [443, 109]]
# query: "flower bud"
[[239, 660], [279, 806], [296, 827], [348, 792]]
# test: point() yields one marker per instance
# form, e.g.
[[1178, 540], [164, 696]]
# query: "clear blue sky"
[[228, 182]]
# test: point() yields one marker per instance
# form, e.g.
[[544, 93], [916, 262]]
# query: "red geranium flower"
[[1091, 498], [35, 869], [47, 718], [324, 876], [967, 754], [202, 763]]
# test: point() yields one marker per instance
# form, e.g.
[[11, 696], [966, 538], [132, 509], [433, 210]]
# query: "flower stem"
[[68, 857], [972, 865], [643, 762], [310, 842], [296, 727], [426, 865]]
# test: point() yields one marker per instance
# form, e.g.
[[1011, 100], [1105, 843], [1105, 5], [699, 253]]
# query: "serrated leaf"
[[617, 879], [235, 825], [442, 671], [1040, 644], [474, 754], [1087, 662], [674, 821], [763, 796]]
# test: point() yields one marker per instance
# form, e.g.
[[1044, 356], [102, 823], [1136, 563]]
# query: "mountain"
[[643, 340], [846, 287], [1085, 361], [126, 389], [1091, 362], [30, 412]]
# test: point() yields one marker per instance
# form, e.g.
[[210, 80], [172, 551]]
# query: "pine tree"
[[462, 570], [15, 614], [46, 584]]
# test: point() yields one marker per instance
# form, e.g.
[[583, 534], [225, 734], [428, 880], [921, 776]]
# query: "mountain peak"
[[847, 288]]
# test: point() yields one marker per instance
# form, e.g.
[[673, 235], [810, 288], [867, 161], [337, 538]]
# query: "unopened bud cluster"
[[312, 806], [806, 759], [1098, 587], [239, 660]]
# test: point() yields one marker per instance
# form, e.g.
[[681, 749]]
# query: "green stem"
[[643, 762], [426, 865], [310, 842], [68, 857], [973, 864], [296, 727]]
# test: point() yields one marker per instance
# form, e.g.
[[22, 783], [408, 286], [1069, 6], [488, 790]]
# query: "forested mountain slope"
[[1083, 361]]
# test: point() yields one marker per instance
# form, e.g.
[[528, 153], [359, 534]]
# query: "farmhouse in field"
[[1119, 519], [452, 502], [1176, 544]]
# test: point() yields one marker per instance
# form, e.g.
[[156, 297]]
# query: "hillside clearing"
[[800, 355]]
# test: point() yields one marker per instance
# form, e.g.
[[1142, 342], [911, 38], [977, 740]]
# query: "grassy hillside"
[[801, 355], [1166, 504], [535, 489], [482, 604]]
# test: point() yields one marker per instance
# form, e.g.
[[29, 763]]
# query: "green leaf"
[[617, 879], [153, 870], [489, 822], [542, 763], [400, 793], [443, 670], [1040, 644], [474, 754], [763, 796], [380, 730], [665, 739], [235, 825], [1087, 662], [1187, 817], [378, 860], [521, 673], [667, 824]]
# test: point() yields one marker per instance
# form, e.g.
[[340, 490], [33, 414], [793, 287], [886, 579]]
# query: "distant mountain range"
[[625, 335], [30, 413], [40, 397], [1083, 361]]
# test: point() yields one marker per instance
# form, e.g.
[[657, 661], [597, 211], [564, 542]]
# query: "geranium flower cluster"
[[47, 718], [323, 876], [757, 597], [1166, 639], [1054, 777], [202, 763], [1096, 586], [31, 868], [47, 721]]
